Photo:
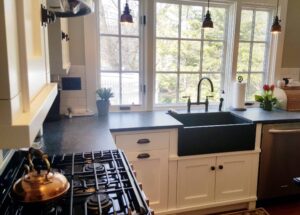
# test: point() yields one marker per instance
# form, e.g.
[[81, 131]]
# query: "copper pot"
[[39, 186]]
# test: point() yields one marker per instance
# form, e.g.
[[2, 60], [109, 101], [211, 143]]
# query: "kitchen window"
[[157, 68], [185, 52], [253, 53], [120, 52]]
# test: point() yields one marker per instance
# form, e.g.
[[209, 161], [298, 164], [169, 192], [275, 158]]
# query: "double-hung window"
[[120, 52], [254, 46], [185, 52]]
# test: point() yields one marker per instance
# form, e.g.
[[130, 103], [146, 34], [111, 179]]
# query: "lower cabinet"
[[148, 151], [152, 171], [219, 178]]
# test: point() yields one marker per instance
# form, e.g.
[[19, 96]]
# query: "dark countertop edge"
[[275, 121], [144, 128]]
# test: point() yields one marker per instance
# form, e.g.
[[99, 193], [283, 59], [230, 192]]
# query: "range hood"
[[71, 8]]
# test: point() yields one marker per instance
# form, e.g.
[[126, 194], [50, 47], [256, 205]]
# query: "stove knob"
[[131, 166], [141, 186], [147, 201], [134, 172]]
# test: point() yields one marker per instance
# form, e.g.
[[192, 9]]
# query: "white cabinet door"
[[233, 175], [33, 53], [196, 181], [152, 172]]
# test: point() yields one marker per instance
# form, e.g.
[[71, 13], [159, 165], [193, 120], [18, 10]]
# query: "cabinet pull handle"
[[284, 131], [212, 168], [143, 141], [221, 167], [143, 156]]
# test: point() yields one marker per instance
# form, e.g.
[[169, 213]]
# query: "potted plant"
[[103, 103], [267, 100]]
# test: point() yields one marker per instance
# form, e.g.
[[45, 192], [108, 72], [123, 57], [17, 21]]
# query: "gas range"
[[100, 183]]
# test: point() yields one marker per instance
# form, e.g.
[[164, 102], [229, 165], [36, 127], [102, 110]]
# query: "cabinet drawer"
[[143, 141]]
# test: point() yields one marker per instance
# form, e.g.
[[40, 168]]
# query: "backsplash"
[[75, 99], [293, 73]]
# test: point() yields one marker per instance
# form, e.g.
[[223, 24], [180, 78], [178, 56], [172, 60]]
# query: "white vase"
[[103, 107]]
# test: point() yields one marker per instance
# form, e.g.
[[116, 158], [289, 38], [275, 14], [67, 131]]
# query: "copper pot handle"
[[38, 153]]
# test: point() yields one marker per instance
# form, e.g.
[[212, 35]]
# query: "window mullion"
[[201, 52], [120, 54], [251, 50], [179, 54]]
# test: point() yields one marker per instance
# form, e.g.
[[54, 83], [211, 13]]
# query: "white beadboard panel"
[[73, 94], [73, 103], [77, 69], [9, 60], [13, 107], [293, 73]]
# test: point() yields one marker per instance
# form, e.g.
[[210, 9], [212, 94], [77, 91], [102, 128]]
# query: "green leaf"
[[259, 98]]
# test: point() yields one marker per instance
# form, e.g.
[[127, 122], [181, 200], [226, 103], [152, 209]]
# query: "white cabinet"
[[214, 179], [233, 175], [196, 181], [26, 94], [152, 172], [148, 151], [59, 47]]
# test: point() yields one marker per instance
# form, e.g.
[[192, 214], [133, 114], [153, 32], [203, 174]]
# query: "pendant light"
[[276, 27], [126, 16], [207, 22]]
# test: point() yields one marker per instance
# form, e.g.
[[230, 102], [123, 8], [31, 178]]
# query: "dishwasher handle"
[[284, 131]]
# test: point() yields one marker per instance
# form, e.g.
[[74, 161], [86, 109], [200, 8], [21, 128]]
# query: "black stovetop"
[[100, 183]]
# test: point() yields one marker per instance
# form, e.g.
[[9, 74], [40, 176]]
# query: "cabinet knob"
[[212, 168], [143, 141], [143, 156], [221, 167]]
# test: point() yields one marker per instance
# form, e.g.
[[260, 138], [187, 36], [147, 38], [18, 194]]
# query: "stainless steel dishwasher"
[[279, 160]]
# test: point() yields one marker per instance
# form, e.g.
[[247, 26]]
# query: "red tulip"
[[272, 87], [266, 87]]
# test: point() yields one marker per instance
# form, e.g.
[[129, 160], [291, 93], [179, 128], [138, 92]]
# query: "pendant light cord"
[[208, 5], [277, 7]]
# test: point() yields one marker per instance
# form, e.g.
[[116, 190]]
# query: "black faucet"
[[221, 101], [189, 103]]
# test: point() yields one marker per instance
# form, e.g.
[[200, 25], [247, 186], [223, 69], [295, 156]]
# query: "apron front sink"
[[204, 133]]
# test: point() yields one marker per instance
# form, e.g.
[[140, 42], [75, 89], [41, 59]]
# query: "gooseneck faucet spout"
[[199, 86], [189, 103]]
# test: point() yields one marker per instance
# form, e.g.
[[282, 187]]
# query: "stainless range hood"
[[71, 8]]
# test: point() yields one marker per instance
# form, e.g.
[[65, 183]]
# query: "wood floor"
[[286, 206]]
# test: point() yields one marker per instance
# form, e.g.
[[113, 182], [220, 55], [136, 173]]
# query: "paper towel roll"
[[239, 90]]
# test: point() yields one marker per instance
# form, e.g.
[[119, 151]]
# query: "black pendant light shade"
[[207, 22], [276, 27], [126, 16]]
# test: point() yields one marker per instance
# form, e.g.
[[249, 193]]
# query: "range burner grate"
[[100, 183]]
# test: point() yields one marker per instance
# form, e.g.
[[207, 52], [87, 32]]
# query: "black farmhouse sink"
[[204, 133]]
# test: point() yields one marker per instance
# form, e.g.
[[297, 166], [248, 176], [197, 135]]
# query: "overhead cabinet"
[[26, 92]]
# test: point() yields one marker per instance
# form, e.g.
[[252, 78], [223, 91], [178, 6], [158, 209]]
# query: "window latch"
[[143, 20]]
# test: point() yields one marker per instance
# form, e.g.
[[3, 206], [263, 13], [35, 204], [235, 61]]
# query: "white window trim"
[[91, 51]]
